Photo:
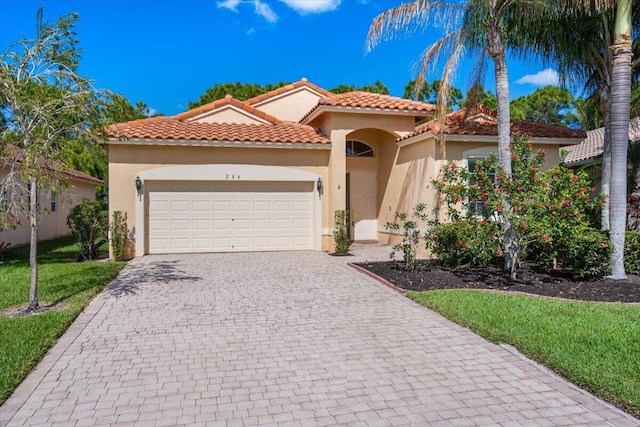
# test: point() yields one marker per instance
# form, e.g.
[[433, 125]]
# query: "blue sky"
[[168, 52]]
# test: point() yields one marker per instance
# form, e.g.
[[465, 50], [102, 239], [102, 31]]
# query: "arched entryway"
[[370, 154]]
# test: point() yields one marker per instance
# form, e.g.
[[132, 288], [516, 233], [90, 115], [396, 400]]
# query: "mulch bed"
[[532, 279]]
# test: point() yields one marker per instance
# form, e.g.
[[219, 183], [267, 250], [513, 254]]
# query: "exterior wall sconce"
[[319, 184], [139, 187]]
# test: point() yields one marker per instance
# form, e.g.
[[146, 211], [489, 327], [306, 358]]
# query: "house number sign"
[[234, 176]]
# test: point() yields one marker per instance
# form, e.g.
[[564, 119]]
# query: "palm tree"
[[480, 24], [480, 28], [620, 109], [611, 53]]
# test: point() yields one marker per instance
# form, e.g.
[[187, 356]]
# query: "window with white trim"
[[54, 201], [471, 159]]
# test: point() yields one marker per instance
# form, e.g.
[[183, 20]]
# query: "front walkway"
[[295, 338]]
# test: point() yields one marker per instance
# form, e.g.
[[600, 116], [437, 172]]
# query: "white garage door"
[[230, 217]]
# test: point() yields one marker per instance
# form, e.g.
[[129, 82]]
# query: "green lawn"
[[24, 341], [596, 346]]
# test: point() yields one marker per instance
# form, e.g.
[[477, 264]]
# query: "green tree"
[[46, 102], [428, 92], [477, 94], [376, 87], [118, 109], [240, 91], [551, 104]]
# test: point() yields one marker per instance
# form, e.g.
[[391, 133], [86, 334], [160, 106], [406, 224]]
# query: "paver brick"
[[291, 338]]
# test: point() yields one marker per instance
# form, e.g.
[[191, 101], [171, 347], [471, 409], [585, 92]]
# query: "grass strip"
[[25, 340], [594, 345]]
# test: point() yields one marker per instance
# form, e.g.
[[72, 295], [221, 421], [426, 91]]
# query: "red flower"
[[544, 239]]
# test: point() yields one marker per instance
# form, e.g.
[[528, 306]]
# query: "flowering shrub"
[[411, 236], [534, 214], [585, 255], [472, 243]]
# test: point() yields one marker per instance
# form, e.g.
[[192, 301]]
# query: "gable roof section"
[[227, 102], [16, 154], [169, 128], [303, 83], [479, 120], [592, 146], [358, 101]]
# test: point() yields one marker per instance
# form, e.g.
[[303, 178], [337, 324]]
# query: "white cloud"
[[250, 31], [265, 11], [305, 7], [229, 4], [542, 78], [260, 8]]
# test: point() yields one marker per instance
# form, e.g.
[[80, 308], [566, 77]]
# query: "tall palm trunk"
[[605, 182], [33, 250], [620, 109], [495, 49]]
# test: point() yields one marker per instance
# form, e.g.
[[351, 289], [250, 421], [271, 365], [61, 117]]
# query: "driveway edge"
[[22, 393]]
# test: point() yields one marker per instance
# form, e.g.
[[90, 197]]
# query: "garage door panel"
[[202, 225], [242, 224], [201, 243], [222, 206], [221, 225], [201, 206], [301, 224], [222, 217], [179, 206], [262, 224]]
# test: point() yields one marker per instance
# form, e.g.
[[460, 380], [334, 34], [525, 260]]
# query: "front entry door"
[[363, 203]]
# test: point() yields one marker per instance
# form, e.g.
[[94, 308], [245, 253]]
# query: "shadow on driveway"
[[162, 271]]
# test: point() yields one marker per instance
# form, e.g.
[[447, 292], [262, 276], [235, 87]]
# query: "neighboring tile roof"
[[227, 100], [287, 88], [480, 120], [163, 128], [591, 147], [358, 99], [16, 154]]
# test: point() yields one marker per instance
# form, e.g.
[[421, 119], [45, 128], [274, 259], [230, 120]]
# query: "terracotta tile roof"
[[227, 100], [358, 99], [163, 128], [591, 147], [287, 88], [16, 154], [481, 121]]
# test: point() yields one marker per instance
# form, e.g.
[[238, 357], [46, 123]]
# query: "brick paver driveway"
[[281, 338]]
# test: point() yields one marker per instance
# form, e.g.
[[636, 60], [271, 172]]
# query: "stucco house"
[[269, 173], [55, 208]]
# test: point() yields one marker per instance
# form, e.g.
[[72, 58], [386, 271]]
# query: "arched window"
[[358, 149]]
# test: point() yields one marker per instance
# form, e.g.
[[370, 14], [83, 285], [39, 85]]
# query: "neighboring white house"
[[53, 221], [588, 154]]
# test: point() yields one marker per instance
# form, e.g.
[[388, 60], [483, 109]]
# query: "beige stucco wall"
[[292, 106], [414, 168], [52, 224], [378, 130], [126, 161], [229, 115]]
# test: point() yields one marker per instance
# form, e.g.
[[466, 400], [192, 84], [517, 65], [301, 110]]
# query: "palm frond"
[[431, 56], [410, 17]]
